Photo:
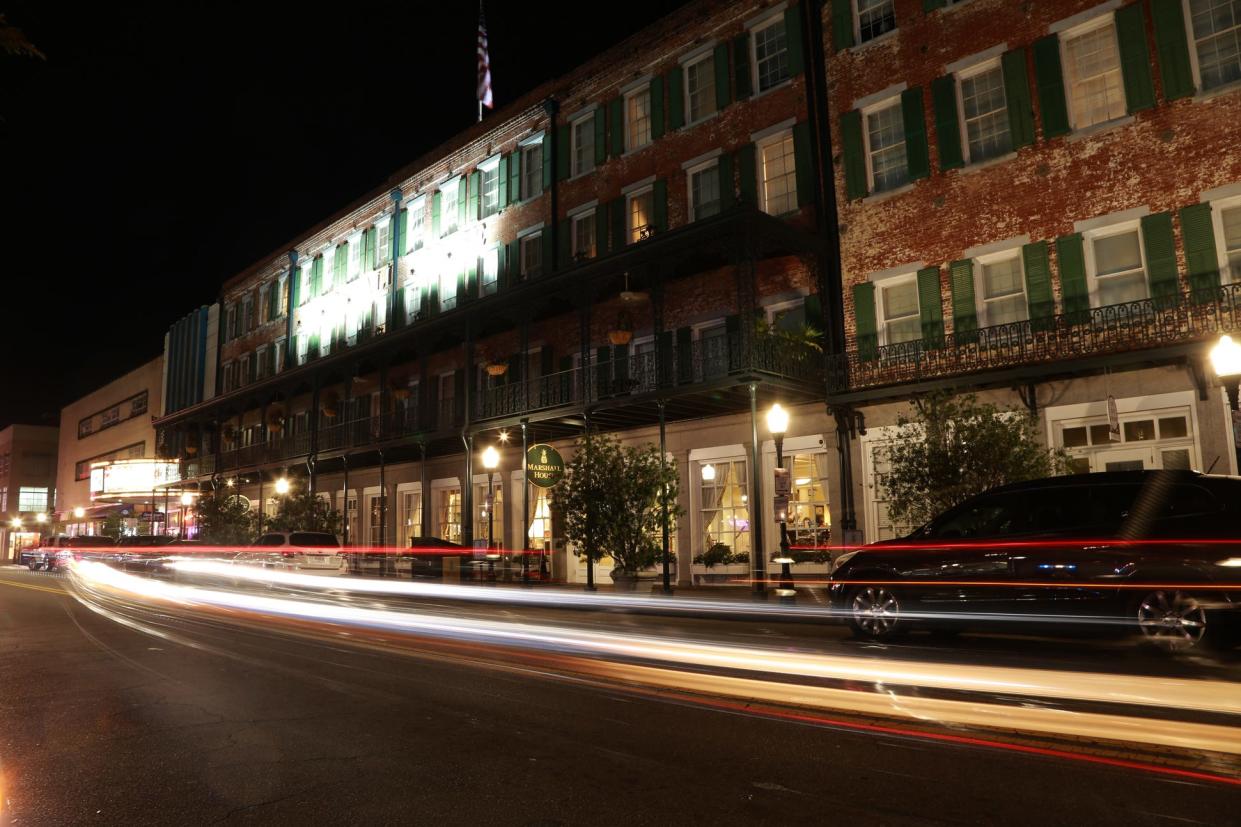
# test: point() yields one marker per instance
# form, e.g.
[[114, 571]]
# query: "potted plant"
[[622, 332], [717, 555], [331, 404]]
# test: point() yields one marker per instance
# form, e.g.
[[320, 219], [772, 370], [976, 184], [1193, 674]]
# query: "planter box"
[[733, 574]]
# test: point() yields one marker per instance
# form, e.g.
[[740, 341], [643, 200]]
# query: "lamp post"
[[187, 503], [778, 423], [1226, 359], [491, 461]]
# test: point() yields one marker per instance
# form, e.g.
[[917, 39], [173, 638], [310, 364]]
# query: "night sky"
[[163, 147]]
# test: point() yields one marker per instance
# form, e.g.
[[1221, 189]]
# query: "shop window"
[[448, 514], [410, 516], [497, 516], [724, 514], [808, 521]]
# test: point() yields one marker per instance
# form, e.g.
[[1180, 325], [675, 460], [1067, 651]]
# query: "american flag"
[[484, 66]]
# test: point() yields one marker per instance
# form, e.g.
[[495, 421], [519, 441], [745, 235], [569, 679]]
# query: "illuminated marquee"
[[135, 477]]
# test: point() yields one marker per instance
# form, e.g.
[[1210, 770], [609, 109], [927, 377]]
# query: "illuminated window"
[[532, 254], [724, 515], [417, 224], [885, 147], [771, 54], [383, 242], [582, 136], [779, 174], [449, 514], [532, 170], [410, 516], [489, 201], [31, 499], [874, 18], [1217, 40], [480, 512], [808, 520], [641, 215], [489, 271], [638, 118], [584, 235], [700, 87], [448, 205], [1092, 70], [704, 190], [984, 113]]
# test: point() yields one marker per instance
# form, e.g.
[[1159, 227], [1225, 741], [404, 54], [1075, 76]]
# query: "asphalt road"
[[100, 723]]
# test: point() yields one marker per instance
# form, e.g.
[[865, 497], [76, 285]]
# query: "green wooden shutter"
[[471, 279], [616, 117], [563, 151], [1157, 241], [1075, 296], [1017, 93], [514, 261], [295, 287], [463, 194], [369, 239], [600, 125], [402, 233], [1038, 285], [437, 204], [854, 155], [728, 192], [473, 201], [1201, 257], [864, 323], [812, 310], [659, 196], [747, 175], [676, 98], [502, 183], [315, 270], [340, 265], [723, 94], [802, 161], [657, 107], [793, 39], [964, 308], [514, 177], [1135, 63], [947, 126], [917, 154], [616, 225], [564, 246], [931, 5], [743, 83], [842, 25], [931, 307], [685, 355], [1049, 78], [1173, 48]]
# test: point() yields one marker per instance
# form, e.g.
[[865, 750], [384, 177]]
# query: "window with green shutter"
[[793, 38], [853, 154], [743, 83], [657, 107], [616, 123], [842, 24], [1049, 77], [747, 175], [1071, 260], [502, 178], [865, 324], [437, 204], [803, 162], [472, 198], [1160, 248], [964, 308], [1135, 64], [1172, 47], [676, 98], [1201, 253], [917, 153], [1017, 97], [723, 91], [1038, 285], [947, 126], [930, 307], [463, 193], [340, 264]]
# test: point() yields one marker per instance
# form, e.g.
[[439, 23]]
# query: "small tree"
[[112, 526], [956, 447], [224, 518], [303, 511], [610, 497]]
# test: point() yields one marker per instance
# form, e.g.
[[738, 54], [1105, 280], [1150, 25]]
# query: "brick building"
[[1041, 202], [640, 243], [27, 486]]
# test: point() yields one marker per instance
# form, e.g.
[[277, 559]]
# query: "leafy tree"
[[610, 499], [224, 518], [303, 511], [955, 447], [112, 526]]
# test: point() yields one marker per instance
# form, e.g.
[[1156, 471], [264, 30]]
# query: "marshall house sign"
[[544, 465]]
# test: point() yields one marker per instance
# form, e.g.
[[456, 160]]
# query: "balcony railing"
[[1141, 325]]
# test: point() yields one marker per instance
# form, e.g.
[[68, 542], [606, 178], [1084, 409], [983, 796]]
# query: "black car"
[[56, 551], [1151, 552], [425, 558]]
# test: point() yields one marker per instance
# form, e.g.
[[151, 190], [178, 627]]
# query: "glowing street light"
[[79, 512], [282, 486], [16, 522], [778, 423], [708, 473], [1226, 359], [187, 499], [40, 518]]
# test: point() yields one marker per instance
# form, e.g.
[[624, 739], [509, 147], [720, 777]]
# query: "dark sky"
[[164, 146]]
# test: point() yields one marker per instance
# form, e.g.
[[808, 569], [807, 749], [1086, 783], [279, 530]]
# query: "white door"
[[1125, 459]]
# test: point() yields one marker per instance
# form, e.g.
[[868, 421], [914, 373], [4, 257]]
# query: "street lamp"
[[79, 513], [1226, 359], [282, 486], [16, 523], [491, 461], [778, 423], [40, 518]]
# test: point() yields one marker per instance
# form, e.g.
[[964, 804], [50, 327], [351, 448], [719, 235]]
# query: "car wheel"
[[874, 612], [1172, 620]]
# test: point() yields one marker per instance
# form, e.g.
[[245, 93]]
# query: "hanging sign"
[[1113, 420], [783, 482], [544, 465]]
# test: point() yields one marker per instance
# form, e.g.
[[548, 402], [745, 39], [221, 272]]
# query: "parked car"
[[1142, 551], [54, 552], [425, 558], [315, 552]]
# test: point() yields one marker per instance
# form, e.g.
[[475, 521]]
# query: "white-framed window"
[[247, 309], [640, 214], [260, 361], [383, 242], [1116, 265], [983, 112], [489, 271], [278, 356], [583, 238], [1092, 76], [770, 53], [417, 218], [1228, 234], [638, 118], [354, 267], [282, 296], [777, 170], [1001, 288], [532, 169], [31, 499], [897, 309], [700, 88], [532, 254], [873, 18], [409, 516], [886, 165], [1155, 432], [448, 205], [448, 287], [723, 515], [489, 178], [582, 141], [1215, 34], [703, 181]]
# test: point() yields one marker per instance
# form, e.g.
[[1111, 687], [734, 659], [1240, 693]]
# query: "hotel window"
[[354, 264], [984, 113], [1161, 438], [771, 55], [584, 235], [449, 514], [700, 88], [641, 214], [489, 271], [1092, 74], [1002, 288], [1116, 267], [809, 521], [638, 118], [1216, 28], [900, 319], [417, 224], [885, 147], [410, 516], [260, 361], [489, 200], [779, 174], [704, 190], [582, 135], [532, 170], [383, 242], [31, 499], [448, 288], [247, 308], [1230, 240], [480, 512], [874, 18], [531, 254], [448, 205], [725, 509]]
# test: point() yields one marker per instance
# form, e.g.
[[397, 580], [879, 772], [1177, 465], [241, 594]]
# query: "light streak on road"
[[995, 697]]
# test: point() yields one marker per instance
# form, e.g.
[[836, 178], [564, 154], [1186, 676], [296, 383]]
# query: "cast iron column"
[[758, 564]]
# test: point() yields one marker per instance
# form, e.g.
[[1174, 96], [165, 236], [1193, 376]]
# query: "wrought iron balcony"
[[1165, 322]]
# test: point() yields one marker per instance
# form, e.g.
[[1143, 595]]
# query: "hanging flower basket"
[[622, 332], [191, 450], [400, 392], [496, 368], [330, 403]]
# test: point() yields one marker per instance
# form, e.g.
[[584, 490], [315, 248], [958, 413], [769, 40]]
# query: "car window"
[[314, 539], [986, 516], [271, 540], [1060, 508]]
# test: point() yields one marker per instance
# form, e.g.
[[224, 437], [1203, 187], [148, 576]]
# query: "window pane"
[[1073, 437], [490, 271], [779, 177], [1139, 431], [1093, 67], [725, 516], [638, 106], [1231, 220], [1004, 292], [771, 55], [900, 300], [700, 83], [1117, 253], [705, 192], [1173, 427], [532, 171], [875, 17], [584, 145], [1099, 435], [491, 191], [886, 131], [640, 216], [986, 115], [1217, 38], [1176, 459]]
